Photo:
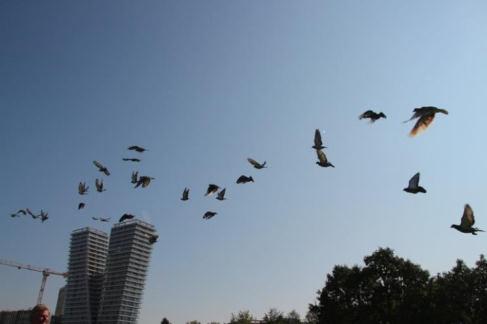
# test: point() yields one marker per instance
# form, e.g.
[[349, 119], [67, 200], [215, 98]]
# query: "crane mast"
[[46, 272]]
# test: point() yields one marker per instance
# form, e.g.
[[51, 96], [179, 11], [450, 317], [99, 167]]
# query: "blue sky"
[[206, 84]]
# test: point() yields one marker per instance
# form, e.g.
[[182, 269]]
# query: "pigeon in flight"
[[81, 205], [221, 195], [82, 188], [256, 164], [99, 185], [105, 219], [144, 181], [212, 188], [135, 177], [137, 149], [413, 186], [131, 159], [244, 179], [209, 214], [426, 116], [323, 161], [153, 238], [101, 168], [125, 217], [318, 143], [43, 216], [467, 222], [373, 116], [185, 194]]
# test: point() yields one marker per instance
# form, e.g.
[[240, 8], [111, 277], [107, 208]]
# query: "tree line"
[[389, 290]]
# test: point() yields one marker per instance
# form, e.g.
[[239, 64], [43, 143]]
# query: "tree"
[[388, 289], [243, 317], [273, 317], [165, 321]]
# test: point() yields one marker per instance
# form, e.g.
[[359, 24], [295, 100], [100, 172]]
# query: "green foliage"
[[243, 317], [389, 289]]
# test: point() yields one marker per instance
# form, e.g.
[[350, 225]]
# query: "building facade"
[[86, 266], [128, 259]]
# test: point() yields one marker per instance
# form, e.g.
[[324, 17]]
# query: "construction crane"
[[46, 272]]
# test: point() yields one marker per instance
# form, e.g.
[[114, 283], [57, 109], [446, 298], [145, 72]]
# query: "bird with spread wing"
[[466, 224]]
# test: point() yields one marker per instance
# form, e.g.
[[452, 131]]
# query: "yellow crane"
[[46, 272]]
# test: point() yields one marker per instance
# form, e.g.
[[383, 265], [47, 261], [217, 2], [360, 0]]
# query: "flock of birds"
[[425, 116]]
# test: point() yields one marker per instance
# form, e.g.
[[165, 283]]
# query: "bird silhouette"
[[135, 177], [372, 116], [137, 149], [144, 181], [14, 215], [244, 179], [43, 216], [81, 205], [99, 185], [125, 217], [82, 188], [426, 116], [95, 218], [323, 161], [221, 195], [22, 211], [466, 224], [256, 164], [131, 159], [209, 214], [101, 168], [212, 188], [105, 219], [318, 143], [413, 186], [185, 194], [153, 238]]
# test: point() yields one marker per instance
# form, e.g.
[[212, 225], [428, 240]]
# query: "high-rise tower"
[[127, 263], [87, 260]]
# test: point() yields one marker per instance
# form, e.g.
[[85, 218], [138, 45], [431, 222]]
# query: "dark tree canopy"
[[389, 289]]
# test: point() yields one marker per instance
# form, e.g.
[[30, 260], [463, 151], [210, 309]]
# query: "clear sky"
[[206, 84]]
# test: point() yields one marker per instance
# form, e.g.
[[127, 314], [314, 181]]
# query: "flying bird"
[[153, 238], [323, 161], [95, 218], [82, 188], [144, 181], [221, 195], [135, 177], [425, 116], [43, 216], [131, 159], [21, 211], [413, 186], [101, 168], [256, 164], [185, 194], [212, 188], [81, 205], [125, 217], [466, 224], [137, 149], [99, 185], [244, 179], [105, 219], [373, 116], [318, 143], [209, 214]]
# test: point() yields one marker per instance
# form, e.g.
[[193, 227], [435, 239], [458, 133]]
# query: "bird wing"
[[80, 188], [30, 213], [414, 181], [423, 122], [318, 142], [97, 184], [253, 162], [98, 165], [221, 194], [467, 219], [321, 156], [366, 114]]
